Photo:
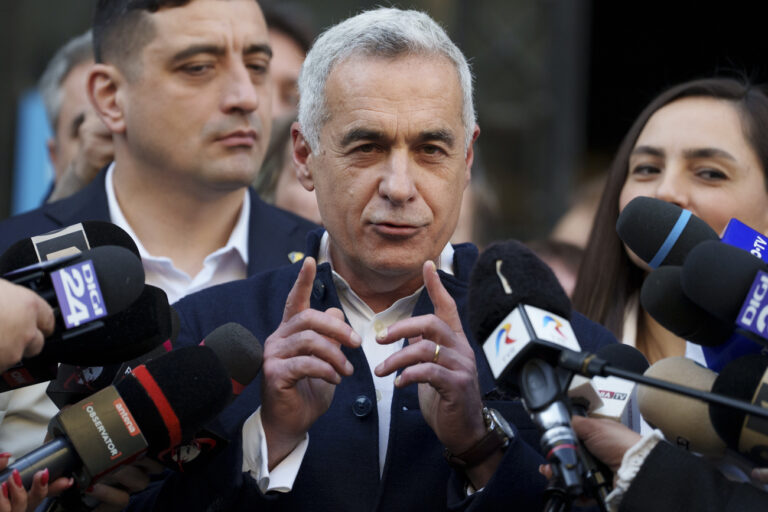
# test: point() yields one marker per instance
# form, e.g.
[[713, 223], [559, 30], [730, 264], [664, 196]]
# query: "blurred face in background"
[[694, 153], [75, 105], [287, 58]]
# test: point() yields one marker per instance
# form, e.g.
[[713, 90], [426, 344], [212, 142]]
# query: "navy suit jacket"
[[340, 471], [273, 233]]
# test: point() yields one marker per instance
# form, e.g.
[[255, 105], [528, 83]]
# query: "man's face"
[[286, 66], [74, 108], [198, 108], [392, 163]]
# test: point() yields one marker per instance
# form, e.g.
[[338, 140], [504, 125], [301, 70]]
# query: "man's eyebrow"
[[259, 48], [443, 136], [358, 134], [74, 128], [198, 49], [648, 150], [708, 153]]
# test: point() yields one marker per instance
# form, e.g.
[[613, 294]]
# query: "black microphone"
[[519, 313], [84, 287], [746, 379], [241, 355], [87, 291], [661, 233], [144, 327], [729, 283], [663, 298], [64, 242], [155, 407]]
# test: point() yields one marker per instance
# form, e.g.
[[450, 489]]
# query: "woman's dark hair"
[[607, 278]]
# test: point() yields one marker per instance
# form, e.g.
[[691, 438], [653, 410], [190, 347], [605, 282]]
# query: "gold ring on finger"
[[437, 353]]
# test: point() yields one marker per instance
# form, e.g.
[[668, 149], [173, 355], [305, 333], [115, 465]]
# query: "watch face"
[[503, 424]]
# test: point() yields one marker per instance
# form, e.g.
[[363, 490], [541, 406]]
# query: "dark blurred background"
[[557, 81]]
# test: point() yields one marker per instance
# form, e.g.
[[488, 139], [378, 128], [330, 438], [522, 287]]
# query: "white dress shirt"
[[367, 324], [25, 412]]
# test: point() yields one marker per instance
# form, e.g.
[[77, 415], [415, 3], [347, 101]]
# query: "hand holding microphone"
[[25, 321]]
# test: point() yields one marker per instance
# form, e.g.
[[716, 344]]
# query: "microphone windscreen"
[[624, 357], [661, 232], [506, 275], [739, 379], [663, 298], [120, 275], [238, 350], [684, 421], [173, 395], [22, 253], [126, 335], [718, 277]]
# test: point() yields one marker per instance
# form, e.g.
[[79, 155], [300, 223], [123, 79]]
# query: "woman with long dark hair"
[[702, 145]]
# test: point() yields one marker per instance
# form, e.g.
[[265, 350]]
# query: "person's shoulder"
[[25, 225], [256, 303], [591, 335], [90, 203], [272, 214]]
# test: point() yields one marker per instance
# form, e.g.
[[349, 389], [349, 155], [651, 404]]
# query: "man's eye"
[[366, 148], [196, 69]]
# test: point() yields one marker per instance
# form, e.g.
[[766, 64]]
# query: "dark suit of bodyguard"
[[385, 138]]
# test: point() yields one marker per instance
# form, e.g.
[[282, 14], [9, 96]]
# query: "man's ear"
[[104, 90], [301, 154], [470, 158]]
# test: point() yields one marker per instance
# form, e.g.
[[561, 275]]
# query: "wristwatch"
[[498, 435]]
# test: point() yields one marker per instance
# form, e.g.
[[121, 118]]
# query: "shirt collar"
[[238, 239]]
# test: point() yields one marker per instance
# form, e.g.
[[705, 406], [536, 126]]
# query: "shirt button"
[[318, 289], [362, 406]]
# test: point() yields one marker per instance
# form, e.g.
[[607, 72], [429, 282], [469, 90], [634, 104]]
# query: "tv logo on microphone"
[[754, 311], [78, 293]]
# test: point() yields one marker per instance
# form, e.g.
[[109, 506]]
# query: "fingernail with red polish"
[[5, 489], [44, 477], [5, 455], [17, 478]]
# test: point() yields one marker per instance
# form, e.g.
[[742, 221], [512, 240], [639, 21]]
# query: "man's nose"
[[398, 184]]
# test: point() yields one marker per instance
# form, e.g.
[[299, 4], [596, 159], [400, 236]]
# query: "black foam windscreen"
[[718, 277], [506, 275], [120, 274], [238, 350], [663, 298], [124, 336], [624, 357], [190, 381], [22, 253], [738, 379], [645, 223]]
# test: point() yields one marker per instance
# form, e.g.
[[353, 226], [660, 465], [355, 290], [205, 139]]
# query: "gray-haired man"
[[371, 389]]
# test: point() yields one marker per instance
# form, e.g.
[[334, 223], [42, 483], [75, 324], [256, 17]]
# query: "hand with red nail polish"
[[14, 498]]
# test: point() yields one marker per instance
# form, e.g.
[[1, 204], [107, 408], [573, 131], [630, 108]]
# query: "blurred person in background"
[[81, 144], [290, 36], [277, 182], [562, 257]]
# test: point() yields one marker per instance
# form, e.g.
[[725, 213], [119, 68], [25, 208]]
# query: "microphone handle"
[[58, 456]]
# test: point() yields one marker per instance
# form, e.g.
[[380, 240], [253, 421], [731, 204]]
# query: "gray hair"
[[383, 32], [77, 51]]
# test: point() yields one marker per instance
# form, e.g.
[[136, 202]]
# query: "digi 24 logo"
[[78, 292]]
